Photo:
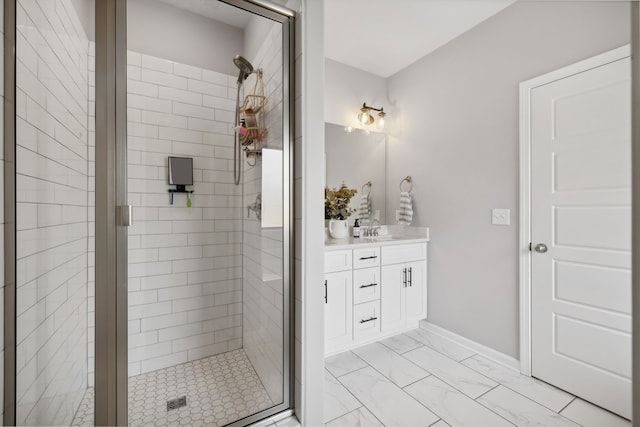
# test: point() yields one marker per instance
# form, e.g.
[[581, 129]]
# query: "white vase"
[[338, 228]]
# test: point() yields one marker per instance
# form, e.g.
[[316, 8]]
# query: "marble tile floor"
[[220, 389], [421, 379]]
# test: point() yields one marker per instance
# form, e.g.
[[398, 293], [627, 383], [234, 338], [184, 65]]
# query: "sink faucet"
[[367, 228], [375, 229], [372, 229]]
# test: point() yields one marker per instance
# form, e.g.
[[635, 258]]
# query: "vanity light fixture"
[[381, 115], [365, 117]]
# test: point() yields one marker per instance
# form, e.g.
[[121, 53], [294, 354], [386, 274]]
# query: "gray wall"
[[158, 29], [255, 35], [456, 133], [86, 10], [346, 88]]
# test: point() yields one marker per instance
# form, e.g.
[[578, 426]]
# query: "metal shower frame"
[[111, 379]]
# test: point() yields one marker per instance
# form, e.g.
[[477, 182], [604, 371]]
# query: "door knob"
[[541, 248]]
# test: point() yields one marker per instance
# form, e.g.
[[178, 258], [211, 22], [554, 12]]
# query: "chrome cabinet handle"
[[369, 320], [541, 248]]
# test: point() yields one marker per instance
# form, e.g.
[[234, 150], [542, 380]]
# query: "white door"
[[338, 310], [580, 210]]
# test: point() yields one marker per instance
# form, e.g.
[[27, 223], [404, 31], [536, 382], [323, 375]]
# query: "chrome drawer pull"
[[368, 286], [368, 257], [369, 320]]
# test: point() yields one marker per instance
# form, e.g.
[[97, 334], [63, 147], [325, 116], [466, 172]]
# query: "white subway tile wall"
[[184, 262], [52, 174], [262, 295], [186, 298]]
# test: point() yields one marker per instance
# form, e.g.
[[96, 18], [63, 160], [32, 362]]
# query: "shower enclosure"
[[129, 299]]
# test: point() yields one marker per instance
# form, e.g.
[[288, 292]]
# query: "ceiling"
[[384, 36]]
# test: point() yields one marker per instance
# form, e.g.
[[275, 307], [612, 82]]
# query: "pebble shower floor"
[[220, 389]]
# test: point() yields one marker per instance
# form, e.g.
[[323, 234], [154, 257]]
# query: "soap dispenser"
[[356, 229]]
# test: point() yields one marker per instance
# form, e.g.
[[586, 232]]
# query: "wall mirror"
[[356, 158]]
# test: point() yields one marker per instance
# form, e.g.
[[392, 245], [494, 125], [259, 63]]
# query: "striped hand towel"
[[364, 211], [405, 213]]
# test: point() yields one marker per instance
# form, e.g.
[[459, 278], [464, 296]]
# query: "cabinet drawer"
[[337, 261], [366, 285], [366, 257], [403, 253], [366, 319]]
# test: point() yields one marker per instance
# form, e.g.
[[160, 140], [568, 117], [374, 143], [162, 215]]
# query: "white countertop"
[[392, 235]]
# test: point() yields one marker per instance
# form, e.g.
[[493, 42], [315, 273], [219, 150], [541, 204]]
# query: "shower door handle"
[[125, 216]]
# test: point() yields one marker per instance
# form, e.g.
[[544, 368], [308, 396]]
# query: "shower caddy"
[[252, 128]]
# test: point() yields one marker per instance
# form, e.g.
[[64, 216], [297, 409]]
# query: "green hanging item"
[[189, 199]]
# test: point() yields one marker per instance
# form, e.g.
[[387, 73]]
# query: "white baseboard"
[[482, 350]]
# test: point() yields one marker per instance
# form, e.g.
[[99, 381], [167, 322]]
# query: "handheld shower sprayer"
[[245, 68]]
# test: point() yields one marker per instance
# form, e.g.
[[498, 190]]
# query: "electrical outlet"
[[501, 216]]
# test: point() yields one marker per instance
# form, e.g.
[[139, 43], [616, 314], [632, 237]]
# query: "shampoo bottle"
[[356, 229]]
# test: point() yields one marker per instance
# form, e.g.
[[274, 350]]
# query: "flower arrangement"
[[336, 202]]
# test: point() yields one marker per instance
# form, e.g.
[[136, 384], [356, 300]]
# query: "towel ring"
[[409, 181], [366, 184]]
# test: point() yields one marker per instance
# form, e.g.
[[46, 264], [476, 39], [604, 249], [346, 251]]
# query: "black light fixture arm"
[[367, 107]]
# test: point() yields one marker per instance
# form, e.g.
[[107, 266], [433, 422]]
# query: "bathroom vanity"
[[374, 287]]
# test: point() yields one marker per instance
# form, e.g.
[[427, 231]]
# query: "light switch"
[[501, 216]]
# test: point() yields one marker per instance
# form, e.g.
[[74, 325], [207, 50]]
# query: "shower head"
[[244, 66]]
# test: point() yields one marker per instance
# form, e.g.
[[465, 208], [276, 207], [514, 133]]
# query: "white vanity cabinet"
[[338, 324], [404, 273], [338, 299], [372, 292], [403, 298]]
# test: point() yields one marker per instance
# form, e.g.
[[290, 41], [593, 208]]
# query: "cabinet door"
[[366, 320], [392, 301], [337, 261], [400, 254], [415, 292], [366, 285], [338, 308]]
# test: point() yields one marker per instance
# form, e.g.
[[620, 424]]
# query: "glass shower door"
[[205, 327], [208, 285], [54, 217]]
